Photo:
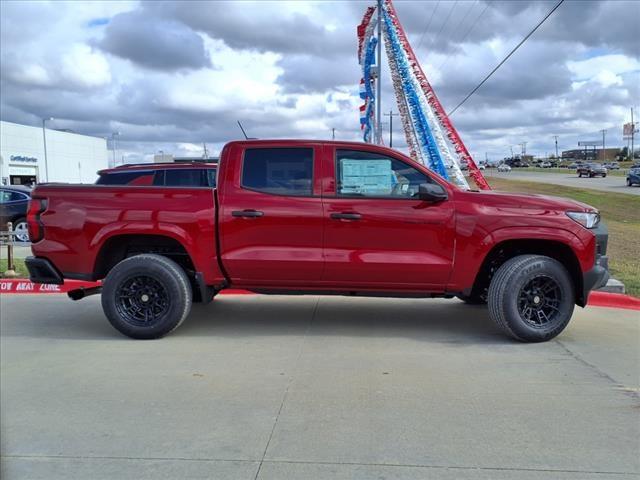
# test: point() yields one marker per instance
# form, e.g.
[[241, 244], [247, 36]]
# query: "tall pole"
[[391, 115], [44, 140], [633, 132], [604, 153], [113, 145], [556, 139], [379, 85], [333, 134]]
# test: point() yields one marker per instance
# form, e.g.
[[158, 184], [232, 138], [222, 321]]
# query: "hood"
[[521, 200]]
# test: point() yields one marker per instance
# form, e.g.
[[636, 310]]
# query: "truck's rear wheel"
[[146, 296], [531, 298]]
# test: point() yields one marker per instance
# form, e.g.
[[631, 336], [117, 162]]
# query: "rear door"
[[271, 215], [378, 234]]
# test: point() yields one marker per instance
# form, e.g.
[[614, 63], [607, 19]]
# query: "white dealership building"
[[69, 157]]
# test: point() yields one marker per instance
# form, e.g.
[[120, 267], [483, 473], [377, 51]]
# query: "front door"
[[271, 219], [378, 234]]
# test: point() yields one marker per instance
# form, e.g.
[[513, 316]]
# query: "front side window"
[[366, 174], [279, 171]]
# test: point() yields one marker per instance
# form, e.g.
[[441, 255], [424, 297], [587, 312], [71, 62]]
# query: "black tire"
[[531, 298], [473, 299], [146, 296], [629, 184]]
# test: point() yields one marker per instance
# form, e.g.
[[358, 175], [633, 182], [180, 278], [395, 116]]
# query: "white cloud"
[[85, 67]]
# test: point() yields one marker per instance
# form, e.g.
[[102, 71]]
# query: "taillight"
[[34, 224]]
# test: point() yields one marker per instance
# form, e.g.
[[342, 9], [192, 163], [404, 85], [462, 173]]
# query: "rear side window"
[[144, 177], [7, 196], [182, 177], [279, 171]]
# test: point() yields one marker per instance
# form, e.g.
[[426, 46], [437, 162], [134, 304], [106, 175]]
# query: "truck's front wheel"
[[146, 296], [531, 298]]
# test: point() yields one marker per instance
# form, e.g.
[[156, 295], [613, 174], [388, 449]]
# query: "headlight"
[[586, 219]]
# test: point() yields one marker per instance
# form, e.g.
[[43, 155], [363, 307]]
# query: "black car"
[[14, 201], [591, 170], [633, 177]]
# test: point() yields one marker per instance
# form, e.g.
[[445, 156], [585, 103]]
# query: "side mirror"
[[432, 192]]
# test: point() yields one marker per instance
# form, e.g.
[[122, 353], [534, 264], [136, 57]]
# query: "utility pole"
[[379, 85], [604, 153], [633, 132], [391, 115], [44, 140], [333, 134], [524, 148], [206, 154], [511, 147], [556, 139]]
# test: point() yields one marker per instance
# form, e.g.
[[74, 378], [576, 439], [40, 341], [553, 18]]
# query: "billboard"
[[628, 130]]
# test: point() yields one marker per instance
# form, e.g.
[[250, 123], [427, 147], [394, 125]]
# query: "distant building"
[[71, 157], [590, 154]]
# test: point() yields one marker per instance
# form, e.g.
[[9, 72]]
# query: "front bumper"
[[42, 270], [598, 276]]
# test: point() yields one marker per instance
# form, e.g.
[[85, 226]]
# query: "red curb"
[[613, 300], [23, 286]]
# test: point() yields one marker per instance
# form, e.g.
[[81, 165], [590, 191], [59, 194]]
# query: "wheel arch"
[[118, 247], [507, 249]]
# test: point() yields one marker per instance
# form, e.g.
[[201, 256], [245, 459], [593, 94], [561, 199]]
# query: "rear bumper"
[[598, 276], [42, 270]]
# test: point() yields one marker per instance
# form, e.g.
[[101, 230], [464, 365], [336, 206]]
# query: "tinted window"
[[7, 196], [280, 171], [142, 177], [365, 174], [181, 177]]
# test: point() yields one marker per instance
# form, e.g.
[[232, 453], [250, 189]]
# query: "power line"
[[444, 23], [428, 24], [469, 30], [507, 57], [464, 17]]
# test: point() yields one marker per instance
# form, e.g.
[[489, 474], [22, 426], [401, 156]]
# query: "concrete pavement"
[[307, 387], [610, 183]]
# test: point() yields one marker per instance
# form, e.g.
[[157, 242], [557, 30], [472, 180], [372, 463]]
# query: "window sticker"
[[366, 177]]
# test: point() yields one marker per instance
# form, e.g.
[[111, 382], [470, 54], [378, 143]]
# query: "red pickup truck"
[[317, 217]]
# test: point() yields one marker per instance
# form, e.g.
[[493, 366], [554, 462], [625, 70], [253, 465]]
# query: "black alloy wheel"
[[141, 300], [539, 301], [146, 296]]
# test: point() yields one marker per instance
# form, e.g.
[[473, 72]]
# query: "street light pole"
[[44, 140], [556, 139], [604, 153], [113, 145]]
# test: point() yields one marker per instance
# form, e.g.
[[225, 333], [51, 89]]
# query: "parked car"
[[573, 166], [545, 165], [294, 216], [14, 202], [591, 170], [192, 174], [503, 167], [482, 166], [612, 166], [633, 177]]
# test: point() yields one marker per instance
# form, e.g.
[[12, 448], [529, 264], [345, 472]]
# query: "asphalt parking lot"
[[320, 388], [610, 183]]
